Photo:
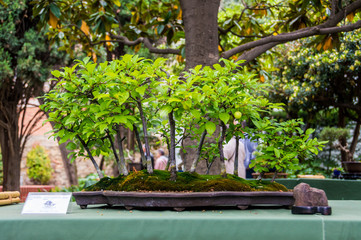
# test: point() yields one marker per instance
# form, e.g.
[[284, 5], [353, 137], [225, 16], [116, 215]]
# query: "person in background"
[[229, 151], [249, 147], [161, 160]]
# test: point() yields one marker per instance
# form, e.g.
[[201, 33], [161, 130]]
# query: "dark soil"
[[186, 182]]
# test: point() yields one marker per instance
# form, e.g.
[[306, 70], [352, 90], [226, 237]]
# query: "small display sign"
[[47, 203]]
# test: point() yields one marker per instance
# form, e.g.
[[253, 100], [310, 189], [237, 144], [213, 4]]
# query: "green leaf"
[[56, 73], [173, 99], [163, 89], [309, 131], [217, 67], [210, 127], [55, 10], [224, 117], [102, 127], [256, 123], [71, 146], [120, 119], [141, 90], [277, 152], [160, 29], [196, 114], [86, 60], [197, 68], [122, 97], [90, 67], [187, 104], [165, 110]]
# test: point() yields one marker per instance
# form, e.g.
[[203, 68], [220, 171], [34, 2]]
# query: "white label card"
[[47, 203]]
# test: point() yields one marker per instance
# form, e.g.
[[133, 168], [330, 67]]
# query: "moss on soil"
[[159, 181]]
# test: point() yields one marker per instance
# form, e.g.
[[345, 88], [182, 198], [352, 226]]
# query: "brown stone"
[[307, 196]]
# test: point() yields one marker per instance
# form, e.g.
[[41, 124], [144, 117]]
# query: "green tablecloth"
[[335, 189], [104, 224]]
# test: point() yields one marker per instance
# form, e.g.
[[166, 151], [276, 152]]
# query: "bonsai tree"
[[281, 145], [91, 102], [332, 134], [228, 94]]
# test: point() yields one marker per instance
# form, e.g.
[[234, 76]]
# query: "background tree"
[[25, 58], [247, 31], [195, 29], [312, 81]]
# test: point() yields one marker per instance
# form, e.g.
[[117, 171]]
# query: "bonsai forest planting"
[[91, 102]]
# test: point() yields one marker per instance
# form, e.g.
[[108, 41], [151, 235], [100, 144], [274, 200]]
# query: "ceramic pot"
[[352, 167]]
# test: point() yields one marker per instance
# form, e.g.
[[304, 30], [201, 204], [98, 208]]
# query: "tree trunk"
[[199, 151], [10, 147], [201, 31], [173, 167], [143, 160], [115, 153], [201, 36], [220, 148], [69, 167], [130, 140], [146, 142], [236, 157], [355, 137], [123, 167], [100, 174]]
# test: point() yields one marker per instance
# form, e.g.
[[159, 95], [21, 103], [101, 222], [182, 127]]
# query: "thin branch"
[[254, 53], [328, 27], [248, 36], [106, 41], [24, 113], [146, 43], [126, 41], [114, 152], [152, 49], [4, 125], [32, 123], [100, 174], [199, 150], [86, 36], [286, 37]]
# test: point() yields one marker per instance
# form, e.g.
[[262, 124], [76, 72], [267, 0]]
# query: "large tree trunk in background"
[[201, 31], [130, 140], [201, 35], [10, 146], [342, 124], [70, 168]]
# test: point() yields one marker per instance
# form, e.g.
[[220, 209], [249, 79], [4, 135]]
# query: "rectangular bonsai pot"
[[183, 200]]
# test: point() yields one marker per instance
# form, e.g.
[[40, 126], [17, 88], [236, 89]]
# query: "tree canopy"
[[25, 57], [243, 30], [311, 81]]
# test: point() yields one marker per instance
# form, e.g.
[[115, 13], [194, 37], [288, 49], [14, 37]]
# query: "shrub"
[[38, 163]]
